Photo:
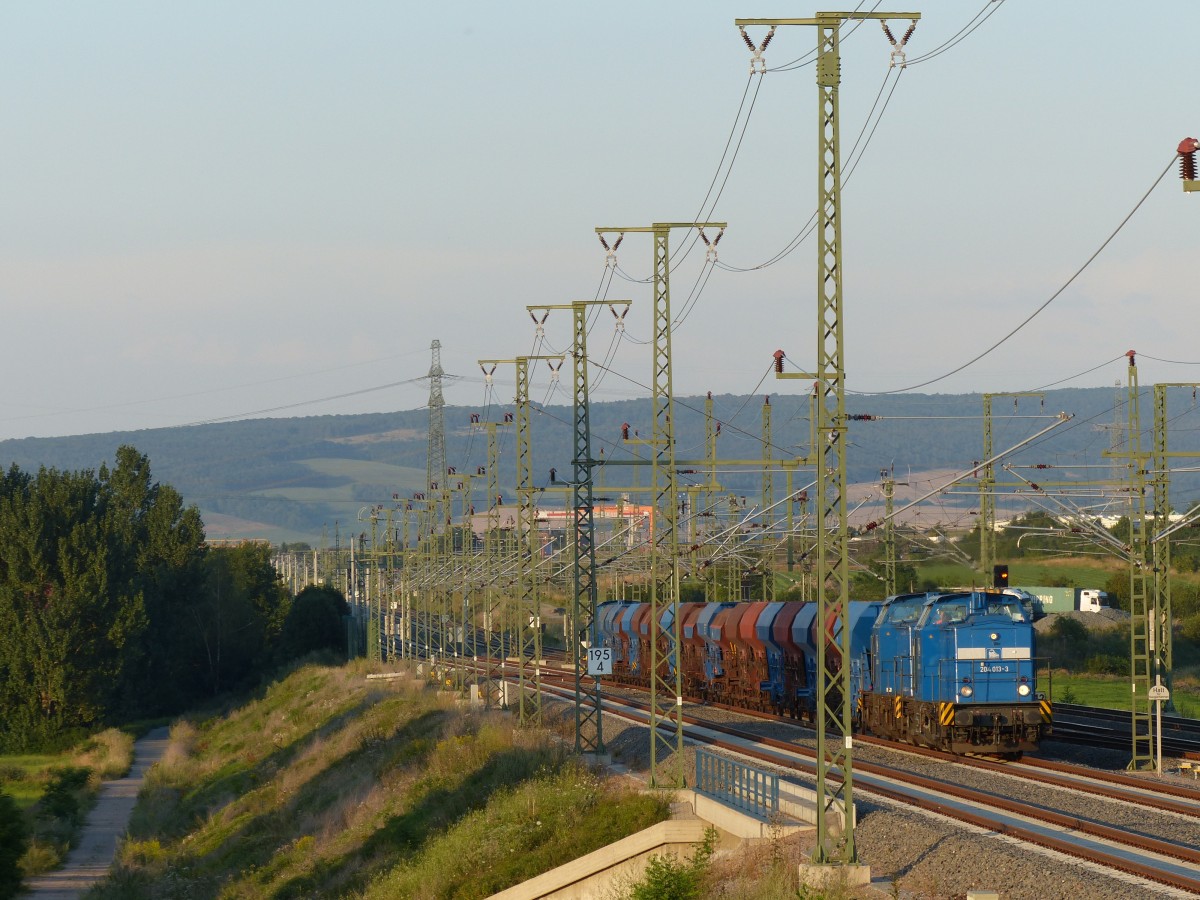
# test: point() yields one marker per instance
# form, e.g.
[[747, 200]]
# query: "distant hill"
[[307, 478]]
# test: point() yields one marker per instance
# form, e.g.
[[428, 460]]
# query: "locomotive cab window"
[[949, 614], [1009, 608], [904, 613]]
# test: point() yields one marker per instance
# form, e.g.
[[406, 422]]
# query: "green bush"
[[314, 623], [669, 878], [1190, 628], [61, 798], [1107, 664], [14, 838]]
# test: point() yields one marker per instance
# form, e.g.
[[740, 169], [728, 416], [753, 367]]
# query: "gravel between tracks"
[[913, 854]]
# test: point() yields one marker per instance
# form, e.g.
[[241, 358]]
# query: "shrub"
[[1108, 664], [109, 754], [14, 839], [314, 623], [668, 878], [61, 798]]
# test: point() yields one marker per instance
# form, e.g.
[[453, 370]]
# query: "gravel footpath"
[[914, 854]]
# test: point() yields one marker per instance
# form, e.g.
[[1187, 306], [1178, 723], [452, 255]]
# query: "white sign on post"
[[599, 660]]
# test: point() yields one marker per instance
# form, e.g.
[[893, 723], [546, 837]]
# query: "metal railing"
[[735, 784]]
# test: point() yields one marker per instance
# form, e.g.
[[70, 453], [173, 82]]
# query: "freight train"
[[954, 671]]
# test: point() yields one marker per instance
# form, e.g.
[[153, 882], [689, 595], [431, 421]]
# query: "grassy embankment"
[[56, 791], [330, 785]]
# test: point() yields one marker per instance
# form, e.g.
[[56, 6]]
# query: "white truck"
[[1064, 599]]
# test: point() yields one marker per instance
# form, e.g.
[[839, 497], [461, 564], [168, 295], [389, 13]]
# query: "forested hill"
[[300, 478]]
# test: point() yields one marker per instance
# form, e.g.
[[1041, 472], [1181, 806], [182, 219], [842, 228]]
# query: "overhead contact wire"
[[1035, 313]]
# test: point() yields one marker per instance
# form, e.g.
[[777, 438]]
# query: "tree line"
[[113, 609]]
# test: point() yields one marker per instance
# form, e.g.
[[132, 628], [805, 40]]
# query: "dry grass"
[[108, 754], [327, 782]]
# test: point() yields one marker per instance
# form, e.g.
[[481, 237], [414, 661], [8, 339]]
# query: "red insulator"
[[625, 431], [603, 242], [620, 237], [767, 39], [1187, 158], [1132, 355], [766, 399], [779, 355], [746, 38], [909, 33], [888, 32]]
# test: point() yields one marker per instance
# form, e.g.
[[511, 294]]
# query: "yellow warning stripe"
[[1047, 711], [898, 703], [946, 713]]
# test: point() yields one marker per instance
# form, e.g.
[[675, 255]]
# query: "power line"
[[1035, 313]]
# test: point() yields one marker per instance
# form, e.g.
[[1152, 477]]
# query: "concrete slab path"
[[106, 824]]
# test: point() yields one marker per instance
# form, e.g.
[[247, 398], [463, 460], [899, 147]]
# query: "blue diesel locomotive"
[[954, 671]]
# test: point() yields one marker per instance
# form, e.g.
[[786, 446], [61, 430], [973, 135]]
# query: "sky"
[[216, 211]]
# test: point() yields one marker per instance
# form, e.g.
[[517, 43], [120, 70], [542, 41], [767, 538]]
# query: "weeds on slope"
[[331, 786]]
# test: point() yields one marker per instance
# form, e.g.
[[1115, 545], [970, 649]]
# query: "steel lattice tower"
[[1140, 582], [666, 684], [766, 516], [1163, 643], [589, 735], [435, 457], [528, 614], [889, 534], [833, 690]]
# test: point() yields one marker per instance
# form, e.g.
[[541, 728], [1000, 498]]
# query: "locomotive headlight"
[[966, 690], [1023, 690], [994, 636]]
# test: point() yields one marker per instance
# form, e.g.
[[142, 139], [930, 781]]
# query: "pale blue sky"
[[219, 208]]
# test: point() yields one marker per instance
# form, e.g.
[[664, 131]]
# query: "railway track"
[[1161, 845], [1170, 862], [1101, 727]]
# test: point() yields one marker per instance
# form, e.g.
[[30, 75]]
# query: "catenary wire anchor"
[[710, 255], [758, 65], [610, 253], [897, 54]]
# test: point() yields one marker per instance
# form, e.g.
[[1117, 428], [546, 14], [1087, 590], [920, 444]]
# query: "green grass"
[[22, 776], [1114, 693], [329, 785], [55, 791]]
